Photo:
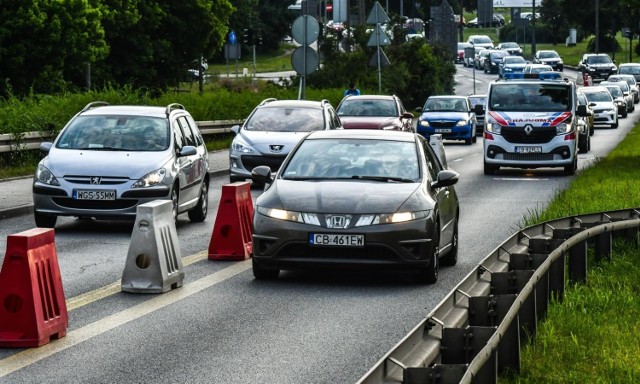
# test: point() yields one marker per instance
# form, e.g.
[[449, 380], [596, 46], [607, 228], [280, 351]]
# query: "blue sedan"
[[511, 64], [449, 116]]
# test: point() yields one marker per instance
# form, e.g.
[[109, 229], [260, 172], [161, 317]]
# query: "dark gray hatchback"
[[357, 198]]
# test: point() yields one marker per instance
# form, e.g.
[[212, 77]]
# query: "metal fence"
[[32, 140], [475, 333]]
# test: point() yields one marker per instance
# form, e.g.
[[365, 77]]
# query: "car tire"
[[624, 113], [233, 179], [261, 273], [583, 143], [199, 213], [174, 202], [490, 169], [451, 258], [615, 125], [429, 275], [570, 170], [45, 221], [592, 130]]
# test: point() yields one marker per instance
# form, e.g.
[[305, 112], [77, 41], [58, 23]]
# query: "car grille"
[[528, 157], [94, 204], [442, 124], [76, 179], [371, 252], [274, 162], [539, 135]]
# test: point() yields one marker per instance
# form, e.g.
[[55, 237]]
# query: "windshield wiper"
[[383, 178]]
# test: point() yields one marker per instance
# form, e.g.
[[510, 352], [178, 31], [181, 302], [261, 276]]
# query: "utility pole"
[[533, 28], [597, 26]]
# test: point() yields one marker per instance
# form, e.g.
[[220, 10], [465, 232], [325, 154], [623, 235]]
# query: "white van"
[[531, 121]]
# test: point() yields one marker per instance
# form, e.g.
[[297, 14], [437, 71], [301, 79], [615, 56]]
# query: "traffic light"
[[247, 36]]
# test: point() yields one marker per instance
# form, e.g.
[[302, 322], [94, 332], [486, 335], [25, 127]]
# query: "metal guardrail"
[[32, 140], [475, 333]]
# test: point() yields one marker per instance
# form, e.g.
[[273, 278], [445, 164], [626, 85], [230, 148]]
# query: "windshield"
[[614, 91], [382, 160], [482, 40], [509, 45], [533, 97], [537, 69], [286, 119], [598, 60], [116, 133], [514, 60], [367, 107], [443, 104], [630, 69], [477, 100], [548, 55], [601, 96]]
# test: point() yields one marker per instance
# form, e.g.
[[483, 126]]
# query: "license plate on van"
[[528, 149]]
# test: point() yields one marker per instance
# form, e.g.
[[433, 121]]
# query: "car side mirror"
[[187, 150], [446, 178], [407, 115], [235, 129], [261, 174]]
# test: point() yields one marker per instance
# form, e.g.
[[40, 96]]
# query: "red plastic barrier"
[[231, 237], [32, 305]]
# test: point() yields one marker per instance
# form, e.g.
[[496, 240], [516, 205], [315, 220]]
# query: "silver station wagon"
[[108, 159]]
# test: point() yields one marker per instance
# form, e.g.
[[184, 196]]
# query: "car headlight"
[[44, 175], [240, 146], [493, 128], [462, 123], [563, 128], [423, 123], [391, 218], [150, 179]]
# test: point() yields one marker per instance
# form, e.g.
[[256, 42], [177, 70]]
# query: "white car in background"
[[604, 109]]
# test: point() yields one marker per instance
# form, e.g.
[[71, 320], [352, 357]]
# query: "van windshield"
[[534, 97]]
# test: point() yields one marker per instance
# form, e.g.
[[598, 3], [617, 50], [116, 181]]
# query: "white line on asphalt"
[[30, 356], [115, 287]]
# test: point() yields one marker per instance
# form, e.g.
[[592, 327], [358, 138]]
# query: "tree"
[[153, 43], [45, 45]]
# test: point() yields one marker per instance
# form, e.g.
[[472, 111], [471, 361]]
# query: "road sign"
[[305, 60], [232, 37], [384, 61], [377, 15], [378, 37], [305, 30]]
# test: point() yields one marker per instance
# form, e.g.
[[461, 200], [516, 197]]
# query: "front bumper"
[[286, 245], [556, 153]]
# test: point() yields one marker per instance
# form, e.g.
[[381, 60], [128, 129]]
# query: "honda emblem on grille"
[[95, 180], [338, 221], [528, 129], [276, 148]]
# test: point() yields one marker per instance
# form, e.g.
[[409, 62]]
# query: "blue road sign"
[[232, 38]]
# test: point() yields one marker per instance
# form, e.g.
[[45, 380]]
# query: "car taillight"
[[487, 135], [570, 136]]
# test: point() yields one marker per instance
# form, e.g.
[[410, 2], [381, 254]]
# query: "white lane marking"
[[30, 356], [115, 287]]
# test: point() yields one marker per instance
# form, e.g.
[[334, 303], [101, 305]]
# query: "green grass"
[[593, 336], [274, 62]]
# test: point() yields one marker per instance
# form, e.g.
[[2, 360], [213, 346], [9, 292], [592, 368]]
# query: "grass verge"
[[593, 336]]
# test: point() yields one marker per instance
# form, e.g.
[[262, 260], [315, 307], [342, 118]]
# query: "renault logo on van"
[[528, 129]]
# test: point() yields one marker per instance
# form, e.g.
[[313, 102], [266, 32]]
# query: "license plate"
[[329, 239], [84, 194], [443, 130], [528, 149]]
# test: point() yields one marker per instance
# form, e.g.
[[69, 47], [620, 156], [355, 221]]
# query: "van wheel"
[[490, 169], [261, 273], [174, 203], [570, 170]]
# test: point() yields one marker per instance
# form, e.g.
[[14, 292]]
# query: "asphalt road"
[[223, 326]]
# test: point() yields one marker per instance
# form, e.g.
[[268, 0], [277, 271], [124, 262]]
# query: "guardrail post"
[[491, 311], [603, 246], [438, 373], [512, 282], [529, 261], [557, 267], [577, 255], [461, 345]]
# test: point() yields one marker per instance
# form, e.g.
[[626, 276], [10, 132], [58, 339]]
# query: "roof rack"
[[173, 106], [265, 101], [94, 104]]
